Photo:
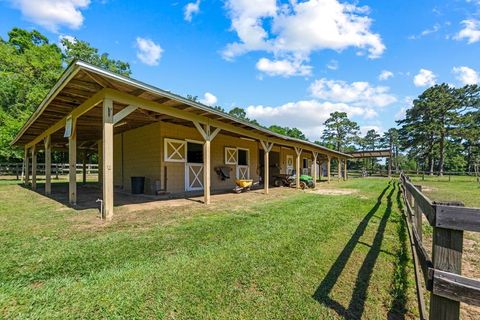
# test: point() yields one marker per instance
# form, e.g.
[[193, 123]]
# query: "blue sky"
[[286, 62]]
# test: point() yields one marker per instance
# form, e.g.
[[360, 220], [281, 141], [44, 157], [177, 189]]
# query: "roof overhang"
[[82, 81], [371, 154]]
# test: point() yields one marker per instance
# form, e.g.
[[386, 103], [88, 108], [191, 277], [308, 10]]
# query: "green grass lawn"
[[308, 256], [458, 188]]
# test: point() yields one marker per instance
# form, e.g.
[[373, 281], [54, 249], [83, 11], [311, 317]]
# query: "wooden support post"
[[390, 165], [267, 147], [206, 171], [107, 158], [320, 169], [329, 160], [100, 164], [339, 168], [345, 175], [25, 167], [315, 156], [298, 151], [16, 171], [447, 256], [84, 167], [72, 164], [48, 165], [208, 136], [34, 167]]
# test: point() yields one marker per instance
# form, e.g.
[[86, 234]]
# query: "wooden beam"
[[34, 167], [329, 160], [456, 287], [72, 164], [298, 151], [339, 162], [267, 147], [200, 129], [345, 175], [206, 171], [320, 169], [120, 115], [77, 112], [214, 133], [84, 166], [25, 167], [185, 115], [107, 158], [208, 136], [315, 156], [48, 165]]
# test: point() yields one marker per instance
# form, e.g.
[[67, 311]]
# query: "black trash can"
[[138, 185]]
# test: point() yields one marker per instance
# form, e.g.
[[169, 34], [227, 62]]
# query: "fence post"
[[447, 256]]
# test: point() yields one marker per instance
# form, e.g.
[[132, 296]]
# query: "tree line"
[[440, 132]]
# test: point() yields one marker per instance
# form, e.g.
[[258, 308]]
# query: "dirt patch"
[[169, 211], [335, 192]]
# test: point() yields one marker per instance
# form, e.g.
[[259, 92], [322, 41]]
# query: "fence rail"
[[441, 275], [15, 169]]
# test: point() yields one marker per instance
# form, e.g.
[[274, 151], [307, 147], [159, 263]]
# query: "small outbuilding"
[[176, 144]]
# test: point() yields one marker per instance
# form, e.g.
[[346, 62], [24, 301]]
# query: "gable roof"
[[82, 80]]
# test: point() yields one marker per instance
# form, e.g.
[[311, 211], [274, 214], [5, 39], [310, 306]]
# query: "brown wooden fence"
[[58, 169], [441, 273]]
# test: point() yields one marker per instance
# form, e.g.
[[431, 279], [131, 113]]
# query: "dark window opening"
[[305, 164], [242, 157], [194, 152]]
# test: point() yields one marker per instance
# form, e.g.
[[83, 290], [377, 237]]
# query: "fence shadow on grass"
[[399, 286], [357, 302]]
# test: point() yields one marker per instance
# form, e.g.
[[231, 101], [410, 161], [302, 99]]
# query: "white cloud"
[[400, 115], [284, 68], [358, 93], [470, 31], [365, 129], [191, 9], [436, 27], [307, 115], [332, 65], [209, 99], [148, 51], [424, 78], [53, 14], [69, 38], [299, 28], [385, 75], [466, 75]]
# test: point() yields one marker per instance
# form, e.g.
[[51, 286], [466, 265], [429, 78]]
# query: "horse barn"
[[179, 146]]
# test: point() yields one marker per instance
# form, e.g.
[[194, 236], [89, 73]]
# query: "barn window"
[[230, 155], [175, 150], [194, 152], [242, 157]]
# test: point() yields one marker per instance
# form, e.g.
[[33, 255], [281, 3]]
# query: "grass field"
[[305, 256], [458, 188]]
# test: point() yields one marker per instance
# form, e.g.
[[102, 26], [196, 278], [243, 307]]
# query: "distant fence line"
[[412, 173], [58, 169], [441, 273]]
